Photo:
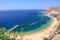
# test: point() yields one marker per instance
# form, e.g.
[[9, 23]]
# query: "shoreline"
[[44, 33], [44, 28], [40, 29]]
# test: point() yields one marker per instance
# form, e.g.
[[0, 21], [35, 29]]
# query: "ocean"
[[27, 19]]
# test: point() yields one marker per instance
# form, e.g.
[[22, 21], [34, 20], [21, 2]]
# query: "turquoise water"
[[27, 19]]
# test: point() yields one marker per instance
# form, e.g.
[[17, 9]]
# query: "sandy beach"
[[42, 34], [29, 19]]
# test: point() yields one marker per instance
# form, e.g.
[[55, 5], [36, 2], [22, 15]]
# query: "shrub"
[[45, 38]]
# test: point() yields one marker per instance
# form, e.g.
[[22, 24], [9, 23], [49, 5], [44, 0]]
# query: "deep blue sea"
[[27, 19]]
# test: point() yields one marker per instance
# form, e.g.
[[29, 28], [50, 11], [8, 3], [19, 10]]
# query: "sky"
[[27, 4]]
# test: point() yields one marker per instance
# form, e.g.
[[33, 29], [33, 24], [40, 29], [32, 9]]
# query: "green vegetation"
[[58, 32], [59, 26], [22, 35], [46, 39], [3, 35], [58, 29]]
